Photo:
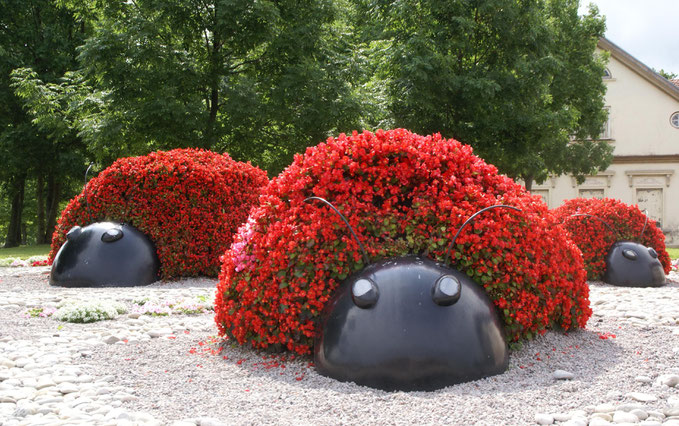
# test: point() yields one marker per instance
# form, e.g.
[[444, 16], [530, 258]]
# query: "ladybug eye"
[[74, 233], [112, 235], [630, 254], [364, 293], [653, 253], [446, 291]]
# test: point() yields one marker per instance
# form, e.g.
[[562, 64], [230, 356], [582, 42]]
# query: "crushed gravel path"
[[172, 370]]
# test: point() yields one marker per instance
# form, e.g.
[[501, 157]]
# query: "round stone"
[[562, 375], [624, 417], [544, 419], [642, 397]]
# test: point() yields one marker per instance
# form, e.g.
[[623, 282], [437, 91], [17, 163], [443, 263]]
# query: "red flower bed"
[[403, 193], [189, 202], [595, 239]]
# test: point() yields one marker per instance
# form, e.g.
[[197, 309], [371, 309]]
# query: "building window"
[[591, 193], [649, 190], [674, 120], [651, 200], [607, 74], [543, 193], [606, 129]]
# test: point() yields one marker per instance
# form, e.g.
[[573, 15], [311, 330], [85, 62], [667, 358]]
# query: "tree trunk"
[[17, 194], [40, 198], [53, 189], [528, 182], [212, 119], [215, 67]]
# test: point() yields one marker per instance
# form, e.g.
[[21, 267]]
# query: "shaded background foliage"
[[93, 81]]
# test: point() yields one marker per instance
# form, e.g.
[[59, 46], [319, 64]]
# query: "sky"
[[646, 29]]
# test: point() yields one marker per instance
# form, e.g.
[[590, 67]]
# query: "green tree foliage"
[[39, 35], [667, 74], [264, 79], [259, 79], [517, 80]]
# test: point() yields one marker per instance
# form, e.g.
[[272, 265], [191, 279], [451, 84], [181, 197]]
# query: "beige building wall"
[[645, 169]]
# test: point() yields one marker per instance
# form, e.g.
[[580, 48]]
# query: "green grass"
[[24, 252]]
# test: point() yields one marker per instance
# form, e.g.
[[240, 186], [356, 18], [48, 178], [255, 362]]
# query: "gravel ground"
[[623, 368]]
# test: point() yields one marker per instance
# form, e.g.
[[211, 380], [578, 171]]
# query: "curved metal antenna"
[[87, 202], [365, 256], [641, 234], [597, 218], [450, 246]]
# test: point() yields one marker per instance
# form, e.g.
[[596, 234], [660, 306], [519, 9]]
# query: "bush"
[[189, 202], [86, 312], [402, 193], [595, 239]]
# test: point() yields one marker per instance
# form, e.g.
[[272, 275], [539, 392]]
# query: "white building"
[[643, 128]]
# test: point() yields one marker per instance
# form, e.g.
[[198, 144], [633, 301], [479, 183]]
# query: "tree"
[[667, 74], [53, 107], [40, 35], [260, 79], [519, 81]]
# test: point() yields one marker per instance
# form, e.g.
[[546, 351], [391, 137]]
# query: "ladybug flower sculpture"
[[620, 245], [105, 254], [409, 323], [182, 205], [295, 279], [630, 263]]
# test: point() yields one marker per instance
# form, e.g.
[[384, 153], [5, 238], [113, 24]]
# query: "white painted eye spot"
[[112, 235], [630, 254], [449, 286], [361, 287], [364, 293], [446, 290]]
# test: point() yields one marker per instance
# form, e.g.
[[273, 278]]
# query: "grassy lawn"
[[673, 252], [24, 252]]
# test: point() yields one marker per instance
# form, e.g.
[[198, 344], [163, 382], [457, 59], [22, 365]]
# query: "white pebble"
[[158, 332], [642, 397], [641, 414], [605, 416], [562, 375], [109, 340], [604, 408], [671, 412], [544, 419], [576, 421], [643, 379], [67, 387], [624, 417], [598, 421], [670, 380]]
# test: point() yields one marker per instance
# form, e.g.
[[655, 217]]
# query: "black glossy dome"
[[105, 254], [631, 264], [410, 324]]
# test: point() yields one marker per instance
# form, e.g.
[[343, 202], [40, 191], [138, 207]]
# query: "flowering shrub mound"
[[595, 239], [189, 202], [402, 193]]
